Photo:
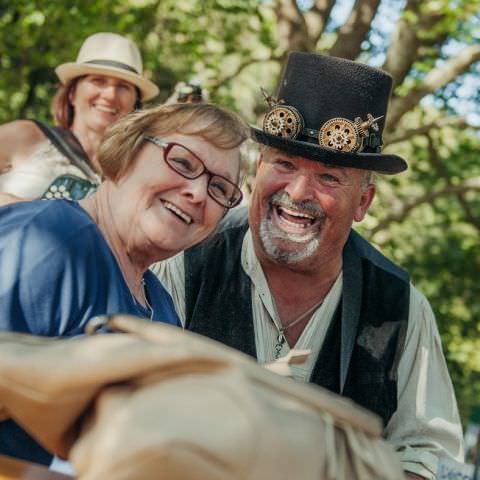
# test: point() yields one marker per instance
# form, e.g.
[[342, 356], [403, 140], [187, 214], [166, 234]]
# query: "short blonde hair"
[[123, 139]]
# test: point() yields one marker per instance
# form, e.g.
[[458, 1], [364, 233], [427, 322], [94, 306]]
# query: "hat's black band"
[[112, 63], [310, 132], [371, 144]]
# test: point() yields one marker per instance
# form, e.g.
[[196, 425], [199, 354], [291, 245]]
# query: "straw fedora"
[[331, 110], [109, 54]]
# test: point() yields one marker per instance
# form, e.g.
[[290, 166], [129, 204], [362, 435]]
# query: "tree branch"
[[242, 66], [403, 46], [472, 184], [405, 42], [436, 79], [292, 27], [402, 135], [459, 190], [316, 18], [442, 172], [355, 30], [299, 16]]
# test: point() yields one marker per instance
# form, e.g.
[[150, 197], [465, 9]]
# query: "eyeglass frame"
[[167, 146]]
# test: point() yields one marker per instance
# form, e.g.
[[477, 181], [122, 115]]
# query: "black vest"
[[360, 355]]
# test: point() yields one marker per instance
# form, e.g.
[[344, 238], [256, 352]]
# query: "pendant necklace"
[[148, 307], [281, 339]]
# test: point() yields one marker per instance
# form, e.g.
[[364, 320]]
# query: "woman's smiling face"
[[160, 211], [99, 100]]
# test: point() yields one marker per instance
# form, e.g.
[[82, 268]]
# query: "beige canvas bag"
[[160, 403]]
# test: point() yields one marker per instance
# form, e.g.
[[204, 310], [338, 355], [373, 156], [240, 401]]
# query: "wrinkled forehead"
[[270, 152]]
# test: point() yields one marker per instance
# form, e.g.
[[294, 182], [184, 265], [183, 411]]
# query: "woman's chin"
[[102, 121], [162, 247], [170, 236]]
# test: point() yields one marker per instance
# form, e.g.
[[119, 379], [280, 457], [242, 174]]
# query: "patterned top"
[[31, 179]]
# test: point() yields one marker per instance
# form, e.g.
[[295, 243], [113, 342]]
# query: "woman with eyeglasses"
[[171, 173]]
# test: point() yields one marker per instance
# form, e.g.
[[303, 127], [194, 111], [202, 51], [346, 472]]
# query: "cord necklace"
[[281, 339]]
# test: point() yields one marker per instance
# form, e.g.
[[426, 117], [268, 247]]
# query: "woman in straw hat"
[[104, 84], [171, 173]]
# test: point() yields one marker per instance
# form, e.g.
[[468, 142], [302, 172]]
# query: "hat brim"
[[386, 164], [69, 71]]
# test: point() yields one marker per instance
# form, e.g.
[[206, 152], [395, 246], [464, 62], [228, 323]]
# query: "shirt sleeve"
[[55, 277], [426, 424], [171, 274]]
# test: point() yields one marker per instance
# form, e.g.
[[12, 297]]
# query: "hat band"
[[340, 134], [373, 142], [113, 63]]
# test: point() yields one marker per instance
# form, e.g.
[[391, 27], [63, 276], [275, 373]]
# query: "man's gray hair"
[[368, 178]]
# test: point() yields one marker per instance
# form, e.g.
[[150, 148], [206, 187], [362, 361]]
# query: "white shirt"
[[426, 424], [32, 178]]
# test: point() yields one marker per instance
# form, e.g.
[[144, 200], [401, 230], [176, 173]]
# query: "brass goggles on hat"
[[339, 134], [187, 164]]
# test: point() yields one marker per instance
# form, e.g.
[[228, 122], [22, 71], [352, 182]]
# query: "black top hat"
[[331, 110]]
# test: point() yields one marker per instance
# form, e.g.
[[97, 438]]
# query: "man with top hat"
[[296, 275]]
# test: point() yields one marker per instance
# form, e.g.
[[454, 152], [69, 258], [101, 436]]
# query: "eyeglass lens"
[[188, 165]]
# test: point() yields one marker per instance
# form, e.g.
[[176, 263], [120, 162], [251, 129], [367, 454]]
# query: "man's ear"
[[366, 199], [260, 157]]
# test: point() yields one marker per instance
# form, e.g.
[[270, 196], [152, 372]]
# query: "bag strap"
[[67, 143]]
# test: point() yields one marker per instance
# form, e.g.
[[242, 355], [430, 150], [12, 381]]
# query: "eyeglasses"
[[187, 164]]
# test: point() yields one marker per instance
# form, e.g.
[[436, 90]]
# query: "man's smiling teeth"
[[295, 213], [294, 217], [174, 209]]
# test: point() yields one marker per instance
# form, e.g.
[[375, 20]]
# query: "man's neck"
[[295, 291], [288, 282]]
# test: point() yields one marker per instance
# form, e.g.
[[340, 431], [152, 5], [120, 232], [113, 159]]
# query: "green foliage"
[[437, 243], [38, 36], [179, 40]]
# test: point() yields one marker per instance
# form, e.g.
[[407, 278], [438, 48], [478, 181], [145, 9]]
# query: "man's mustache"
[[307, 206]]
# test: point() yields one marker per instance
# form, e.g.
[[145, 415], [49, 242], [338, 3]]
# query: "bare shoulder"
[[20, 134], [19, 139], [8, 198]]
